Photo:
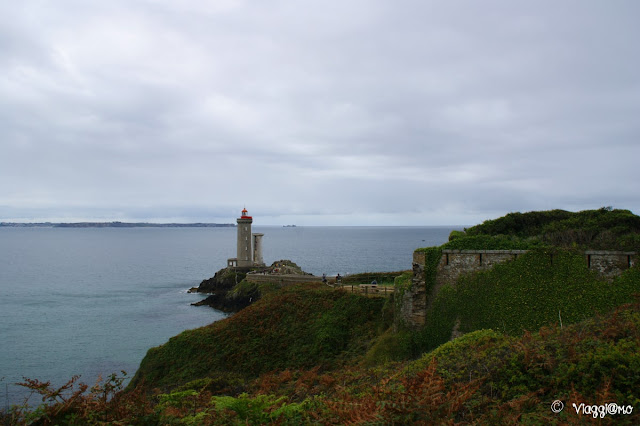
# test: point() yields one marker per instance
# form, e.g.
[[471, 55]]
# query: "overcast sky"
[[317, 113]]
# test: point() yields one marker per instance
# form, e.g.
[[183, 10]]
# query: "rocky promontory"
[[229, 292]]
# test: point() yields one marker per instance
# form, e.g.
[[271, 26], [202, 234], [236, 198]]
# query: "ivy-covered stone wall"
[[433, 267]]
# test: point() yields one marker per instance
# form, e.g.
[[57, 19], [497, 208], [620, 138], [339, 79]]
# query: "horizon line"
[[117, 223]]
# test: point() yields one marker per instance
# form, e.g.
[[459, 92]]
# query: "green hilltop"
[[602, 229], [532, 331]]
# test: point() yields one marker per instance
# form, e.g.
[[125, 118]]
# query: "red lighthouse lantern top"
[[244, 214]]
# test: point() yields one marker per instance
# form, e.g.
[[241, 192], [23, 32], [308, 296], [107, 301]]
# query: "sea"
[[92, 301]]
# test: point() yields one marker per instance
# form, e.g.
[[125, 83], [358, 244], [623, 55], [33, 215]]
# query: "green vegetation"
[[456, 234], [230, 292], [538, 288], [402, 284], [549, 284], [382, 278], [595, 360], [491, 242], [432, 256], [524, 294], [310, 354], [251, 290], [484, 377], [602, 229], [300, 326]]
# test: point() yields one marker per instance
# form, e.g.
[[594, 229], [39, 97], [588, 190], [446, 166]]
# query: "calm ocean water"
[[92, 301]]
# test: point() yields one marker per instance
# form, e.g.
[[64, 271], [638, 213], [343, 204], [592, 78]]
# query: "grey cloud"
[[450, 110]]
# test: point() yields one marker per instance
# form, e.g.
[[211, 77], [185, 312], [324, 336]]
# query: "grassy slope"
[[298, 327], [484, 377], [487, 377]]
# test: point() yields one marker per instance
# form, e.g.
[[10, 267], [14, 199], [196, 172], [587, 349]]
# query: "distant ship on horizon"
[[288, 226]]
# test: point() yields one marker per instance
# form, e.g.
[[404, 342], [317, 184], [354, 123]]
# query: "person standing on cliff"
[[324, 278]]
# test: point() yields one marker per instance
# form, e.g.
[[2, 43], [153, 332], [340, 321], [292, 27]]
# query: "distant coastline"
[[114, 225]]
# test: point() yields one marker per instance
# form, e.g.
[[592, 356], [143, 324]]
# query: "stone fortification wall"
[[413, 302], [610, 263], [282, 279], [453, 263]]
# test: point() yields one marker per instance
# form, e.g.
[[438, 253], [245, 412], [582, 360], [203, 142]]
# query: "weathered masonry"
[[282, 279], [453, 263], [610, 263]]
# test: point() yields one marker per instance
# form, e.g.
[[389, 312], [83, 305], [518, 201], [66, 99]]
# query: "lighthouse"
[[249, 246], [244, 252]]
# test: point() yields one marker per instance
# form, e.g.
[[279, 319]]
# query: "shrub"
[[492, 242], [297, 327], [605, 228], [456, 234]]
